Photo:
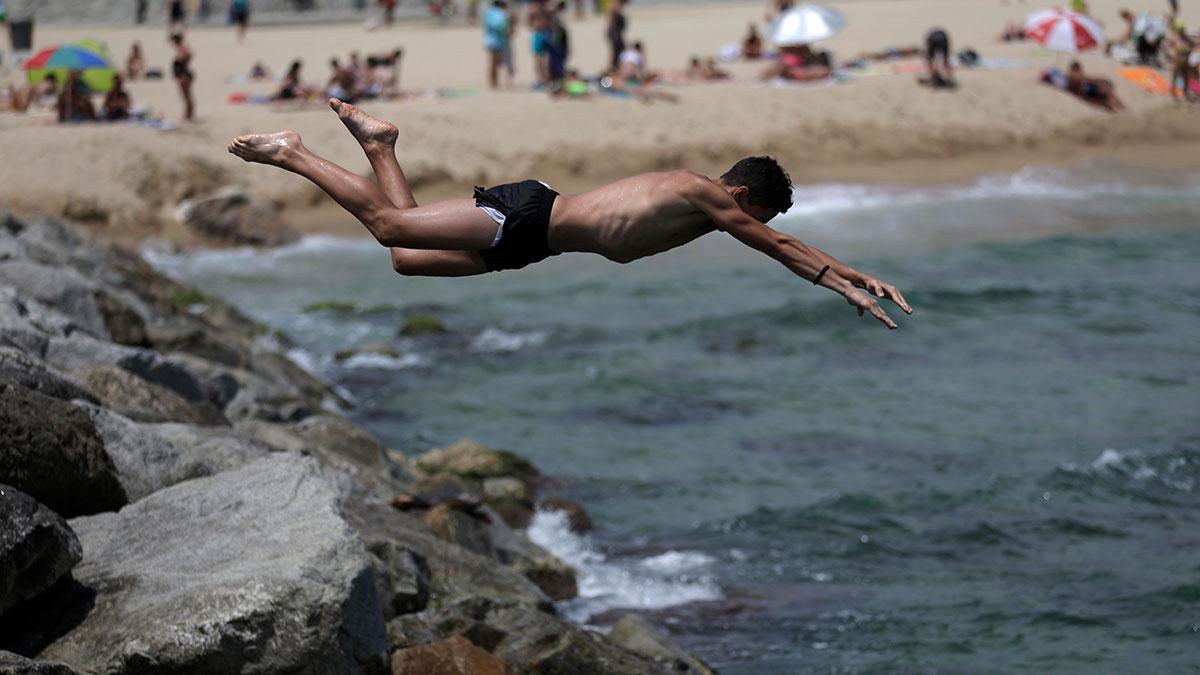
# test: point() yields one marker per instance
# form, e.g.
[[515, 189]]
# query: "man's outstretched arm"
[[803, 260]]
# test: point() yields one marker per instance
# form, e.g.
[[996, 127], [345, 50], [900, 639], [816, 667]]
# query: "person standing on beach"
[[239, 15], [511, 226], [540, 27], [616, 33], [181, 70], [176, 17], [389, 11], [497, 30], [139, 11]]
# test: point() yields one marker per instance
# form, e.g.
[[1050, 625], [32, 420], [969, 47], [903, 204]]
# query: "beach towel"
[[1153, 81]]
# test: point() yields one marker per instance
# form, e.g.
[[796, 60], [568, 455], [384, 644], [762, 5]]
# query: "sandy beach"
[[876, 127]]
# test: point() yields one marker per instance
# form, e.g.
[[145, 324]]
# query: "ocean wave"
[[496, 341], [1031, 182], [374, 361], [665, 580]]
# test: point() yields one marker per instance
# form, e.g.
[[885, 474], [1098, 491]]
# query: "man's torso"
[[629, 219]]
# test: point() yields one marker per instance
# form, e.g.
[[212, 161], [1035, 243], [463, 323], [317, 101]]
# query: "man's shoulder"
[[686, 181]]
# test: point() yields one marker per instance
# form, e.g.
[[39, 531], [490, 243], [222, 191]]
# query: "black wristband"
[[820, 274]]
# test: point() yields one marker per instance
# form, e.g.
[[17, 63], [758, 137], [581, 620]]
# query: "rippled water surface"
[[1006, 484]]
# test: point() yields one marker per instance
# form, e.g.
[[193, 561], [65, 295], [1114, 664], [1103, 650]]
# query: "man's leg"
[[378, 141], [455, 225]]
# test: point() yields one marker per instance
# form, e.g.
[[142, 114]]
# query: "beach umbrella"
[[1064, 31], [805, 24], [97, 72]]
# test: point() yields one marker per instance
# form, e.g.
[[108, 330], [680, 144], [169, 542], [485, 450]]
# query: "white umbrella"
[[1064, 31], [805, 24]]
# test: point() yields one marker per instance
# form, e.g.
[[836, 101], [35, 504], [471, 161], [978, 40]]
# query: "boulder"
[[82, 353], [455, 525], [528, 640], [126, 324], [641, 637], [24, 369], [401, 577], [197, 340], [510, 498], [578, 520], [36, 547], [17, 327], [340, 436], [536, 642], [454, 656], [470, 460], [150, 457], [62, 288], [556, 578], [11, 664], [231, 216], [454, 572], [137, 399], [251, 571], [50, 450]]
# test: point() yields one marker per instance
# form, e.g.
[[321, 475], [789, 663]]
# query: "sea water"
[[1009, 483]]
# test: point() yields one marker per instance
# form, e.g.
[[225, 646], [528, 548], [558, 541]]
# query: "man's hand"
[[865, 303], [880, 289]]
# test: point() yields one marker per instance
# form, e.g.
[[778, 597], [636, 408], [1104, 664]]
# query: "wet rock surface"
[[37, 547], [253, 567]]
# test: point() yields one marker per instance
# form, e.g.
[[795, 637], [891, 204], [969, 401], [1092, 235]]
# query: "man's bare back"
[[513, 225], [632, 218]]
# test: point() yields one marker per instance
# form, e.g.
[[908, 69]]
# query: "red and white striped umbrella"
[[1064, 31]]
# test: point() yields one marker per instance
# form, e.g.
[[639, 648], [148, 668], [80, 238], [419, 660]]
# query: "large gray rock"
[[231, 216], [12, 664], [61, 288], [150, 457], [19, 367], [49, 449], [143, 401], [36, 547], [81, 353], [251, 571]]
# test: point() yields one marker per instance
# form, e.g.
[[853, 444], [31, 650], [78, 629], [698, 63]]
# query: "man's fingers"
[[878, 313], [897, 298]]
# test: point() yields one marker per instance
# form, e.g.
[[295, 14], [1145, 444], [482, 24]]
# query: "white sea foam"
[[669, 579], [494, 340], [1140, 466], [375, 361]]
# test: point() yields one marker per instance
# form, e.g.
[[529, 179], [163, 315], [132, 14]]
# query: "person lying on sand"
[[798, 63], [1094, 90], [511, 226]]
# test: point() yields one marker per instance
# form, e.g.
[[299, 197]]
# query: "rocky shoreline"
[[176, 495]]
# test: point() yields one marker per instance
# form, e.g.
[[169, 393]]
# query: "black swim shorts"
[[937, 43], [525, 207]]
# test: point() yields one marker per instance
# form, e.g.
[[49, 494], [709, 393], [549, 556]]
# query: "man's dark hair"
[[770, 187]]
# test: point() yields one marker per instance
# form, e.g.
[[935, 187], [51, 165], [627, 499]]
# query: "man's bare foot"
[[371, 132], [274, 149]]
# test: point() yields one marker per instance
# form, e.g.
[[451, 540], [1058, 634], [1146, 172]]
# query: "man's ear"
[[739, 193]]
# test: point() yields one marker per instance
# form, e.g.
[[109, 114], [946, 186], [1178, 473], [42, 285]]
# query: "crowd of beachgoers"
[[1159, 44]]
